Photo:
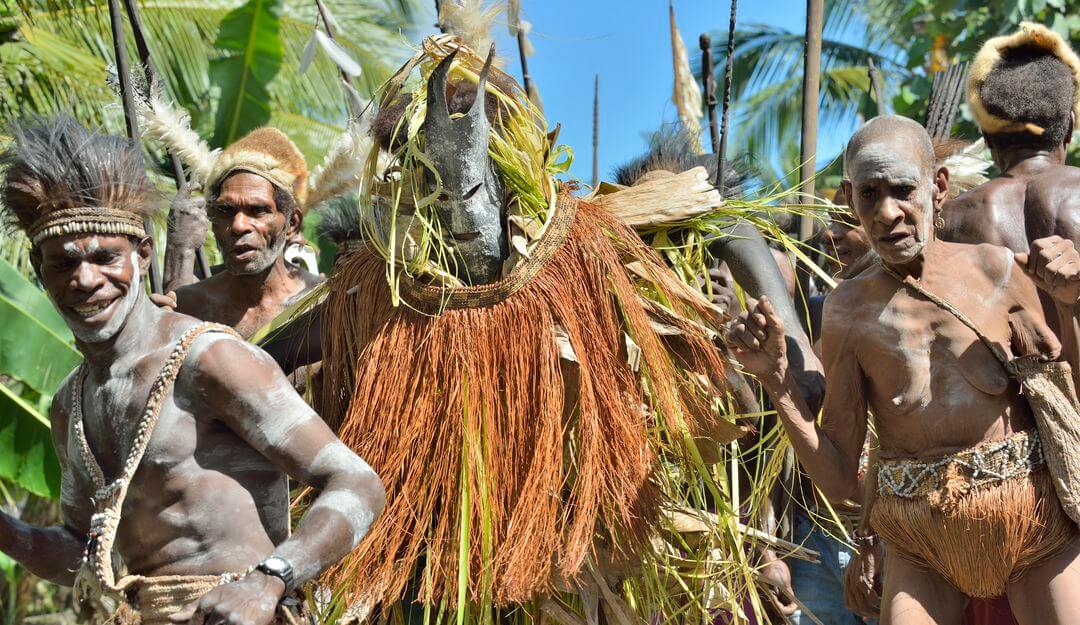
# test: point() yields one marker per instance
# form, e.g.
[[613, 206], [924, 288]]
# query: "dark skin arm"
[[253, 398], [187, 225], [52, 553], [829, 452], [297, 343], [754, 268]]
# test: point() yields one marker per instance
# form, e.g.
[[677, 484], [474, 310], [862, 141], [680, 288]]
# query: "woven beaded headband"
[[86, 220]]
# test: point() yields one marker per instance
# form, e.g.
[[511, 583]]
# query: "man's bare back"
[[1034, 199]]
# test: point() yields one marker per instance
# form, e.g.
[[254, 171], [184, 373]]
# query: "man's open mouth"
[[90, 310], [243, 252]]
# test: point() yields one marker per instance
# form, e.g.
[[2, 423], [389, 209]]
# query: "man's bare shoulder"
[[311, 280], [194, 298], [1052, 203], [220, 361], [993, 261]]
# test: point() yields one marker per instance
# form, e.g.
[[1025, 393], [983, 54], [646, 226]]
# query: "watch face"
[[276, 565]]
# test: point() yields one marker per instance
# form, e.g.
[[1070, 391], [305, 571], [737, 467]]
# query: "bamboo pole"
[[519, 34], [596, 132], [123, 72], [708, 85], [148, 67], [729, 65], [815, 16], [875, 84]]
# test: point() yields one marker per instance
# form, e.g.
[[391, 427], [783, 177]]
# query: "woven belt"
[[982, 465]]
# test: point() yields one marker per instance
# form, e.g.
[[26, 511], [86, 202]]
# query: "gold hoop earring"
[[939, 222]]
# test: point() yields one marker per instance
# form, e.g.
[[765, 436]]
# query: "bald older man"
[[964, 501]]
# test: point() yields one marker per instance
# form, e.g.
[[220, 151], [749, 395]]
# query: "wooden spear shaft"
[[729, 64], [708, 85], [815, 16], [148, 67], [330, 34], [596, 132], [123, 72]]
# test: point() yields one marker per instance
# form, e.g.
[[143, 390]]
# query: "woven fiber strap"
[[86, 220], [109, 497], [433, 299], [994, 348]]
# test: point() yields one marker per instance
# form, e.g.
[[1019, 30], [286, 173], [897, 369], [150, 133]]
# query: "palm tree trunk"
[[815, 16]]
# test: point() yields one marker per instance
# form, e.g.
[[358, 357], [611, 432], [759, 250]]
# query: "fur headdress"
[[266, 152], [990, 58], [61, 178]]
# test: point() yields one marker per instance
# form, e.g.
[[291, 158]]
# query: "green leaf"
[[251, 35], [26, 295], [32, 353], [27, 457]]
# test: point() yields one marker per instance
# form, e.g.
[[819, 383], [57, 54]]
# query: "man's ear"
[[35, 261], [941, 186], [145, 249], [296, 222], [1069, 132], [845, 188]]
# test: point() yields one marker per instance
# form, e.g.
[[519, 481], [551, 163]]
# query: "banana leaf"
[[26, 295], [251, 37], [27, 457], [32, 353]]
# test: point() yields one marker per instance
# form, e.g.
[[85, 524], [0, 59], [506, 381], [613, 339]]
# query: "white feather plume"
[[172, 127], [967, 168], [339, 173], [470, 20]]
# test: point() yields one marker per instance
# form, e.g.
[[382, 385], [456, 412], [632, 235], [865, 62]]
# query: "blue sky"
[[627, 42]]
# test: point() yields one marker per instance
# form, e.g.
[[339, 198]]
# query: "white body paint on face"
[[124, 307]]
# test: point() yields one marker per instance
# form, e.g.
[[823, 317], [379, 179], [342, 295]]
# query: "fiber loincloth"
[[979, 517], [152, 600]]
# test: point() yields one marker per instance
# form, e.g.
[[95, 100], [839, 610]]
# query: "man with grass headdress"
[[545, 373], [176, 438]]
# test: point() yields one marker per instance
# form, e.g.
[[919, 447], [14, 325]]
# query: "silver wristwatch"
[[279, 568]]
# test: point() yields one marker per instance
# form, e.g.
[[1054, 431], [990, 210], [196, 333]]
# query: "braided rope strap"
[[97, 574]]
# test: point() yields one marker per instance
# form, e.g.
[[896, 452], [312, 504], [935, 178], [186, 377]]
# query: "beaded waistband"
[[983, 465]]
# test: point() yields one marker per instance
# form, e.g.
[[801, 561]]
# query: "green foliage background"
[[233, 65], [899, 37]]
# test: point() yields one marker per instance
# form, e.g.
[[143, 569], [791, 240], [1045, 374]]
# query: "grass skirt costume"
[[978, 517], [534, 434]]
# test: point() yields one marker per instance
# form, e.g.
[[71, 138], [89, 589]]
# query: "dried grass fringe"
[[548, 474], [982, 539]]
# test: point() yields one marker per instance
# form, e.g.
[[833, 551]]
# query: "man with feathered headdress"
[[176, 438], [257, 191]]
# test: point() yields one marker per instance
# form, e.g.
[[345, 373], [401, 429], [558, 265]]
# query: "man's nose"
[[241, 223], [87, 277], [889, 212]]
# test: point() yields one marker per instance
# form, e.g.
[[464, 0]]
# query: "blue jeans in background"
[[820, 586]]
